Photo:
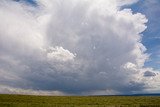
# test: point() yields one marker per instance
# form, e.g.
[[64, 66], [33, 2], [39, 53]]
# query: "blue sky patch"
[[151, 36]]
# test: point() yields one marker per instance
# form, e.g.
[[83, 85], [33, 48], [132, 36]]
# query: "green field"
[[78, 101]]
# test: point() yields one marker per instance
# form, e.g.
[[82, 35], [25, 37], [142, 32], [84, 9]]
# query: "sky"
[[79, 47], [151, 38]]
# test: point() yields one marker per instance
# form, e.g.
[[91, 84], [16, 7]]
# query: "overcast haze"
[[76, 47]]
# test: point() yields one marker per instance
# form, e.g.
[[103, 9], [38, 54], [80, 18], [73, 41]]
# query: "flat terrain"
[[78, 101]]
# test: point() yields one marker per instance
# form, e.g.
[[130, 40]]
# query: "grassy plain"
[[78, 101]]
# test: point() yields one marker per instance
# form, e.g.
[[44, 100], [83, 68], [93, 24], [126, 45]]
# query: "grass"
[[78, 101]]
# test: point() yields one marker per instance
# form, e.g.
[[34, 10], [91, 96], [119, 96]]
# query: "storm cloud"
[[72, 47]]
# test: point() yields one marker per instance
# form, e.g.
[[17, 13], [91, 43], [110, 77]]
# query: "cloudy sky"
[[79, 47]]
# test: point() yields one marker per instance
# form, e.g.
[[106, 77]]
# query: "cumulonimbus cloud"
[[74, 47]]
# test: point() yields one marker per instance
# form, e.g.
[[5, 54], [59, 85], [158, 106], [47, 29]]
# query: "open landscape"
[[78, 101], [79, 53]]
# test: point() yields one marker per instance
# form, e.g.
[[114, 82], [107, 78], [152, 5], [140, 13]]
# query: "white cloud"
[[11, 90], [58, 53], [73, 47]]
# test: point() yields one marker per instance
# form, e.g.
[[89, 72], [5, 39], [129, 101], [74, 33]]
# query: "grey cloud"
[[149, 74], [71, 47]]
